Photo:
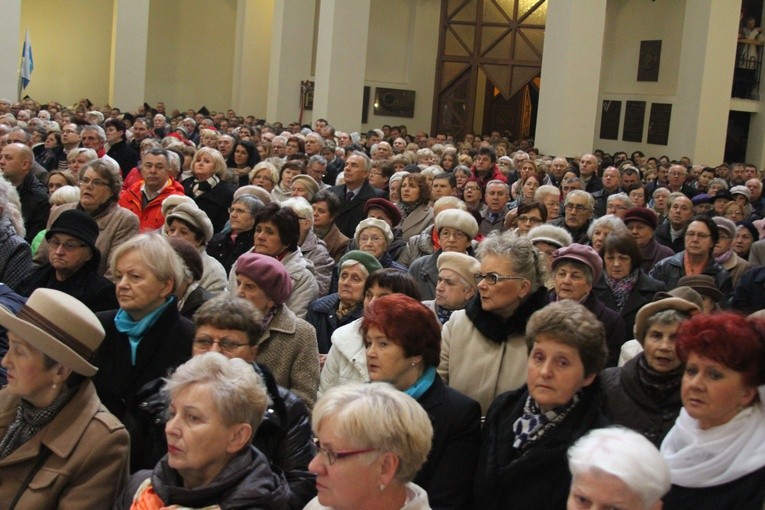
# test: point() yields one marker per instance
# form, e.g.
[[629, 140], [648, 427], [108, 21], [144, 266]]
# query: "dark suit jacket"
[[448, 474], [663, 235], [351, 213]]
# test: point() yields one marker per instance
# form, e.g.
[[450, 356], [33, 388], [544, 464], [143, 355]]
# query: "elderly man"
[[382, 151], [558, 168], [317, 169], [676, 181], [354, 192], [671, 232], [16, 162], [496, 198], [756, 199], [588, 171], [455, 286], [225, 145], [610, 180], [314, 142], [578, 206], [141, 131], [618, 204], [144, 198], [119, 150], [72, 265]]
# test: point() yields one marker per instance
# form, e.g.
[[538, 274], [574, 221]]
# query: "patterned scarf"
[[270, 316], [622, 288], [442, 314], [408, 208], [659, 385], [199, 187], [534, 424], [30, 420]]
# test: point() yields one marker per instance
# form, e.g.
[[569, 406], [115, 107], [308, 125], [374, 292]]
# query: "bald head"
[[15, 162]]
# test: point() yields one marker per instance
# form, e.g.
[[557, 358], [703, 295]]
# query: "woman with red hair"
[[716, 450], [403, 346]]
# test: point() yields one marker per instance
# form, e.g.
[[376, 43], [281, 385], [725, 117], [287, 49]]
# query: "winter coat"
[[214, 202], [642, 293], [226, 251], [315, 250], [538, 477], [337, 243], [15, 255], [87, 464], [214, 277], [749, 294], [671, 269], [322, 315], [482, 355], [95, 291], [347, 360], [288, 348], [416, 221], [150, 217], [652, 253]]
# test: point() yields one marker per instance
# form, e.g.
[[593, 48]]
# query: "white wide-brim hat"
[[59, 326]]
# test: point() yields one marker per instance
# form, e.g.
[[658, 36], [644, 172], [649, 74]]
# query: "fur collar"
[[494, 328]]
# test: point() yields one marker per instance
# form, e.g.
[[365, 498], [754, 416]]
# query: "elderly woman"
[[145, 337], [15, 253], [550, 196], [372, 440], [326, 207], [616, 468], [546, 239], [461, 175], [659, 202], [603, 226], [189, 293], [190, 223], [746, 234], [374, 236], [290, 169], [723, 250], [482, 351], [427, 241], [208, 188], [716, 450], [527, 431], [644, 393], [288, 346], [415, 196], [623, 286], [618, 204], [304, 186], [100, 185], [527, 216], [242, 160], [455, 230], [238, 238], [59, 447], [575, 270], [265, 175], [77, 158], [402, 339], [473, 195], [58, 179], [216, 405], [311, 247], [394, 186], [328, 313], [345, 362]]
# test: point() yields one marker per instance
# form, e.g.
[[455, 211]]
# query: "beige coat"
[[478, 367], [88, 465], [417, 221]]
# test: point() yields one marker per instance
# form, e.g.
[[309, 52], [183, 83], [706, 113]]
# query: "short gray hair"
[[301, 206], [156, 252], [545, 191], [519, 251], [106, 171], [377, 415], [611, 221], [238, 391], [581, 193]]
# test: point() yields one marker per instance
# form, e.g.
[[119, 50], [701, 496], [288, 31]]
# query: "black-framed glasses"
[[493, 278], [95, 182], [68, 246], [238, 210], [225, 344], [529, 219], [331, 456]]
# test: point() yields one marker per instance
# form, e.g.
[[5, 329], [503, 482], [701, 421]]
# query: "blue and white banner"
[[27, 62]]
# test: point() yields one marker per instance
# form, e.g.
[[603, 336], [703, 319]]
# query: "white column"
[[571, 63], [127, 66], [252, 54], [10, 48], [341, 61], [291, 51]]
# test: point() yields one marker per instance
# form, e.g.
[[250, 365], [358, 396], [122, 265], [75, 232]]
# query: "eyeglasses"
[[493, 278], [699, 235], [238, 210], [330, 456], [225, 344], [68, 246], [446, 234], [370, 239], [575, 207], [529, 219], [95, 182]]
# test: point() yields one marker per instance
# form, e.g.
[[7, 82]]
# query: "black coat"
[[539, 478], [322, 315], [642, 293], [448, 474], [749, 294], [125, 156], [663, 235], [351, 213], [35, 207], [745, 493], [627, 402], [225, 251], [165, 345], [671, 269], [95, 291], [214, 202]]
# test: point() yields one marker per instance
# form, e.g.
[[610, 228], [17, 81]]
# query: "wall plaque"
[[609, 120], [648, 63], [634, 115], [658, 123]]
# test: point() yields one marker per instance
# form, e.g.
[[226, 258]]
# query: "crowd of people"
[[205, 310]]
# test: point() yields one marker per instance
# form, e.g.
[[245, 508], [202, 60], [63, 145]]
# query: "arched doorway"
[[490, 55]]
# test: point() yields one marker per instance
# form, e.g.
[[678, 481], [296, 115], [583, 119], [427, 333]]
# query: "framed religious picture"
[[650, 58]]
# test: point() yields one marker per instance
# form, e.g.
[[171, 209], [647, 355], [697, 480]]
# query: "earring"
[[382, 487], [54, 386]]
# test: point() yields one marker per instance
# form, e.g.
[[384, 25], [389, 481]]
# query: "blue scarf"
[[423, 383], [136, 329]]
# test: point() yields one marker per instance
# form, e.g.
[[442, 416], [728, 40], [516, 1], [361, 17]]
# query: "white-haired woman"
[[145, 337], [15, 254], [372, 440], [216, 405], [616, 468]]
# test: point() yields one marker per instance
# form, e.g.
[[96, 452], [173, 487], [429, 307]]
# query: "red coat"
[[149, 217], [495, 174]]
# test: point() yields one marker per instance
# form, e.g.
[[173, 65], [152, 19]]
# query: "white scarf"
[[707, 458]]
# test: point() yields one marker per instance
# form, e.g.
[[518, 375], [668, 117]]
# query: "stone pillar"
[[11, 41], [254, 24], [571, 64], [291, 52], [127, 66], [341, 58]]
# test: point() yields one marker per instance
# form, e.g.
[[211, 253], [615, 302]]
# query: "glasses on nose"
[[94, 182], [529, 219], [331, 456], [237, 210], [68, 246], [699, 235], [493, 278], [370, 239], [446, 234], [225, 344], [575, 207]]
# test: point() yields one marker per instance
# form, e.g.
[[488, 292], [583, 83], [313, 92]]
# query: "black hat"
[[78, 224]]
